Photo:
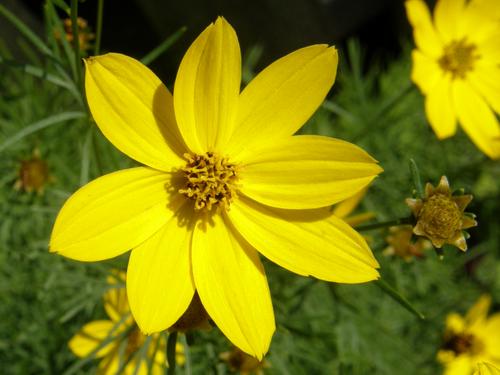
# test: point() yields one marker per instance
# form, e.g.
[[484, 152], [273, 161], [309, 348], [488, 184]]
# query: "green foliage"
[[322, 328]]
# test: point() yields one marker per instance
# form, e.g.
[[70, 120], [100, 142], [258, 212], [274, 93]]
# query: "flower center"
[[135, 340], [458, 58], [210, 181], [461, 343], [440, 217]]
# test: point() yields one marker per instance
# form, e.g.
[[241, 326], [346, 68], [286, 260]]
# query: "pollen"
[[458, 58], [210, 181]]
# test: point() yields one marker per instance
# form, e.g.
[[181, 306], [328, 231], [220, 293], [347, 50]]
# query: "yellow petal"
[[485, 368], [425, 71], [491, 336], [111, 215], [232, 285], [346, 207], [439, 108], [447, 16], [477, 119], [478, 312], [116, 303], [486, 81], [460, 365], [207, 88], [306, 171], [489, 51], [134, 110], [312, 242], [90, 337], [280, 99], [159, 282], [426, 37]]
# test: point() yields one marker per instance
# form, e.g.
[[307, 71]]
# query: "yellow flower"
[[457, 67], [224, 177], [471, 339], [125, 340], [401, 244], [440, 215], [486, 369]]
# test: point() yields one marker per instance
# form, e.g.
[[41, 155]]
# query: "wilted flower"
[[118, 341], [33, 174], [401, 244], [440, 215], [457, 67], [471, 339], [224, 177], [242, 363]]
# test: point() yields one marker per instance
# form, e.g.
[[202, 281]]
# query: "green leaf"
[[165, 45], [39, 125], [396, 296]]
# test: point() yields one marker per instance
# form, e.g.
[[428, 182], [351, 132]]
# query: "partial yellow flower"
[[486, 369], [345, 208], [118, 342], [401, 244], [457, 67], [224, 178], [471, 339], [440, 215]]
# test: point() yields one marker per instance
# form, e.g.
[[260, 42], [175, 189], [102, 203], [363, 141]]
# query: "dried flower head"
[[440, 215], [243, 363], [401, 244], [33, 174], [85, 35]]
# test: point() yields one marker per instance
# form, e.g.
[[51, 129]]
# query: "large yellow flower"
[[117, 341], [224, 177], [457, 67], [471, 339]]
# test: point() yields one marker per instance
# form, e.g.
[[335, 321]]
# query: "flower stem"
[[171, 343], [384, 224], [97, 46], [417, 182]]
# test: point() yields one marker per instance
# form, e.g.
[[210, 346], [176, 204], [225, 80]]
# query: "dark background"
[[134, 27]]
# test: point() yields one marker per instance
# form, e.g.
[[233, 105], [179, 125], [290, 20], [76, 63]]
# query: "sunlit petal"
[[90, 337], [426, 37], [440, 109]]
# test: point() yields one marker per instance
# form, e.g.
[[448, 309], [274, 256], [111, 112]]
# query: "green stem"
[[417, 182], [396, 296], [171, 343], [384, 224], [388, 105], [187, 355], [100, 8], [76, 40]]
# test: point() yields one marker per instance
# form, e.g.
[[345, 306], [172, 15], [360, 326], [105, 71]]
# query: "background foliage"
[[322, 328]]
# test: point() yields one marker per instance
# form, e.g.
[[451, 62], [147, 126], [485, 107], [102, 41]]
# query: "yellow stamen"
[[458, 58], [210, 181]]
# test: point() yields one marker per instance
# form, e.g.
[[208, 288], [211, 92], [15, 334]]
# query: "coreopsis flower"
[[33, 174], [117, 341], [471, 339], [486, 369], [401, 243], [223, 180], [440, 215], [457, 67], [243, 363]]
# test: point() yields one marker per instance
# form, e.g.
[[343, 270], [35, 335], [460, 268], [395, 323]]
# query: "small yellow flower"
[[486, 369], [223, 179], [33, 174], [457, 67], [471, 339], [440, 215], [401, 244], [242, 363], [126, 339], [85, 36]]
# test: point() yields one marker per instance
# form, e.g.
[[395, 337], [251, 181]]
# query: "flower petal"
[[159, 282], [477, 119], [312, 242], [111, 215], [346, 207], [426, 37], [425, 71], [447, 15], [116, 303], [439, 108], [306, 171], [284, 96], [486, 81], [207, 88], [90, 337], [232, 285], [134, 110]]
